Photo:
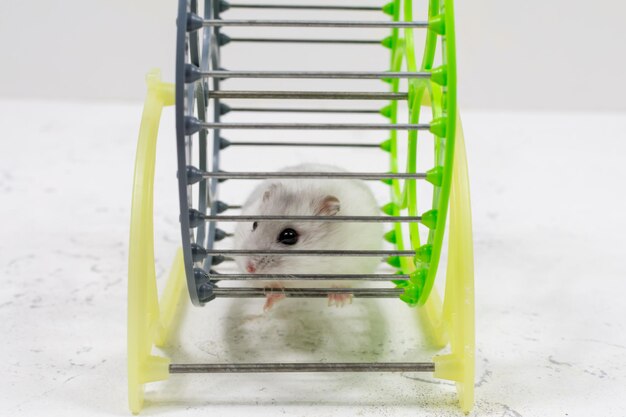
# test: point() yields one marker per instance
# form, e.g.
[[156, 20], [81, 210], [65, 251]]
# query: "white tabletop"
[[548, 205]]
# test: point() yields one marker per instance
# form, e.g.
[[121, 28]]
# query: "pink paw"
[[273, 295], [339, 300]]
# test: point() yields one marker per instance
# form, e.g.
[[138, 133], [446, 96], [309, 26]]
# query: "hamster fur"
[[337, 197]]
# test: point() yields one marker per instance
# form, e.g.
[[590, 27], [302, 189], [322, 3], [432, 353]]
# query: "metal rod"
[[324, 175], [226, 259], [309, 95], [340, 75], [315, 126], [240, 292], [292, 110], [311, 252], [302, 7], [321, 41], [357, 219], [310, 277], [178, 368], [312, 23], [312, 144]]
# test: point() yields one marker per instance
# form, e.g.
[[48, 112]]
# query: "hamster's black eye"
[[254, 225], [288, 237]]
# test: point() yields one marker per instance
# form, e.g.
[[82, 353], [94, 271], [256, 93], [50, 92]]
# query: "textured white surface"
[[548, 207]]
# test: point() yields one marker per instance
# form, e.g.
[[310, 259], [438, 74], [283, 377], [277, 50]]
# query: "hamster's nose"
[[250, 267]]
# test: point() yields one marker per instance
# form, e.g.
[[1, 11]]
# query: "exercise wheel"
[[416, 234]]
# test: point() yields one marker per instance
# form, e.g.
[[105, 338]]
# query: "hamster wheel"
[[202, 106]]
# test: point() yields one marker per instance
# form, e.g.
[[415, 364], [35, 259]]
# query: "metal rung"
[[311, 252], [218, 259], [199, 253], [302, 7], [177, 368], [196, 218], [195, 175], [306, 126], [194, 125], [193, 73], [240, 292], [306, 95], [196, 20], [305, 144], [310, 277], [292, 110], [319, 41]]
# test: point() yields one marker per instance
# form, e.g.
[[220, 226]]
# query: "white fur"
[[303, 197]]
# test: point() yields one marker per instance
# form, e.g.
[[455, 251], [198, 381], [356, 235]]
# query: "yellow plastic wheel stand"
[[150, 318]]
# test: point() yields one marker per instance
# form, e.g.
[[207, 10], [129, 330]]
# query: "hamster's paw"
[[339, 300], [271, 299], [273, 296]]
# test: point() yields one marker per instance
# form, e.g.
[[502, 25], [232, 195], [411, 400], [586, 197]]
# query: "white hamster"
[[326, 197]]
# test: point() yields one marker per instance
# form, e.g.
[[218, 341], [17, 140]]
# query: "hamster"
[[325, 197]]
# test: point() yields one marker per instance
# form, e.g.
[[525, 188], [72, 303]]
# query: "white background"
[[556, 55]]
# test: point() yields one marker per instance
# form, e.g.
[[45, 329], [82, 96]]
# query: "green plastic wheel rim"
[[440, 91]]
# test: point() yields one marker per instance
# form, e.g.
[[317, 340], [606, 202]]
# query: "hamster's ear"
[[271, 190], [329, 206]]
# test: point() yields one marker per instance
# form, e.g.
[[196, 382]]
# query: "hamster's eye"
[[254, 225], [288, 237]]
